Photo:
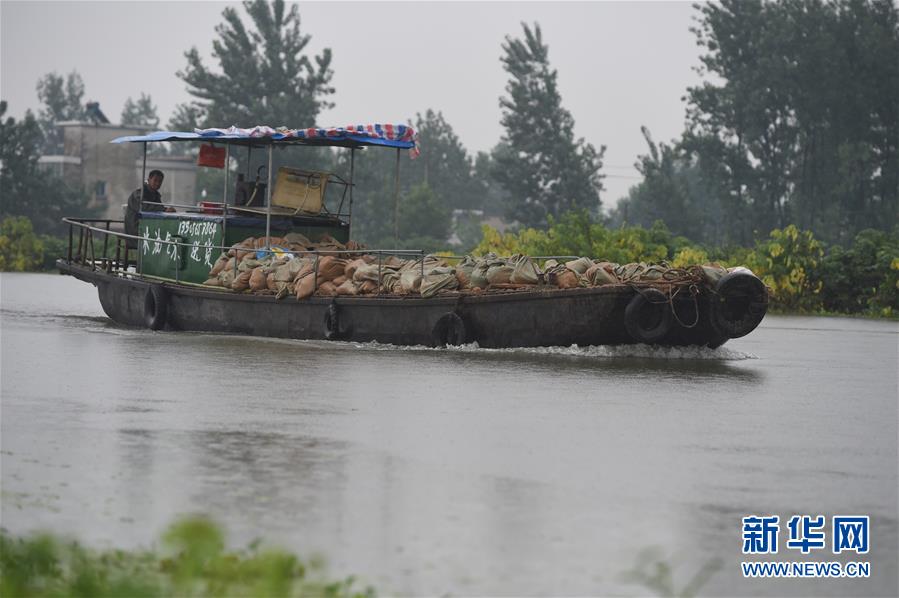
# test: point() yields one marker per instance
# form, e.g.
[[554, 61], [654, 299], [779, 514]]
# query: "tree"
[[62, 100], [265, 76], [141, 113], [422, 214], [544, 169], [798, 117], [444, 165], [27, 190]]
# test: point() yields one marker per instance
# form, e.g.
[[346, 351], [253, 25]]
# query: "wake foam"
[[600, 351]]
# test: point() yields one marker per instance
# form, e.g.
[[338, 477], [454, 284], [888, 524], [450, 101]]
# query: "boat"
[[155, 279]]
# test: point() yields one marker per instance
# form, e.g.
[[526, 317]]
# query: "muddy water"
[[461, 471]]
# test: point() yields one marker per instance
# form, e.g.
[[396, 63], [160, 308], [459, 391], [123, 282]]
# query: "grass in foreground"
[[191, 561]]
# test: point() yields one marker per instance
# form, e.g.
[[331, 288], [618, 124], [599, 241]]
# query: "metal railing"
[[84, 251]]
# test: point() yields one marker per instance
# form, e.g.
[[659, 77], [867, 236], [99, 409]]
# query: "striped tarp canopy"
[[387, 135]]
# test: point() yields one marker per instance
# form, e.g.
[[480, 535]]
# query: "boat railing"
[[87, 250]]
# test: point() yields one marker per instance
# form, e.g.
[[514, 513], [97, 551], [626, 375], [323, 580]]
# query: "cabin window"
[[100, 190]]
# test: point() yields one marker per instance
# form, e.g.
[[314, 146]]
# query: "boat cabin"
[[183, 245]]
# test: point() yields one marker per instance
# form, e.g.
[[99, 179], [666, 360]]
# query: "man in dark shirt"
[[152, 202]]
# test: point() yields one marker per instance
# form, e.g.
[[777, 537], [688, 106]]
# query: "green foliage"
[[422, 213], [265, 75], [795, 122], [539, 163], [141, 112], [61, 99], [192, 562], [576, 233], [20, 249], [786, 262], [863, 277], [444, 164], [27, 190], [802, 274]]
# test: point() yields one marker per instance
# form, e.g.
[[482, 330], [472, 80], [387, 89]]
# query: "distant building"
[[109, 172]]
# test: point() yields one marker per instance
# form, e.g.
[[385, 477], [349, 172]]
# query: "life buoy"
[[648, 316], [332, 322], [449, 330], [739, 303], [155, 308]]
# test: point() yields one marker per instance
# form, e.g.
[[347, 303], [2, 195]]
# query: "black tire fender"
[[449, 329], [648, 316], [739, 303], [156, 303], [332, 321]]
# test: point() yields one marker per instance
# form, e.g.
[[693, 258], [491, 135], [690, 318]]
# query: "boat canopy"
[[387, 135]]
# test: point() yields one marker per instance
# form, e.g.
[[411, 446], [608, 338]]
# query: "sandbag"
[[478, 277], [226, 277], [258, 279], [410, 280], [327, 288], [630, 272], [601, 273], [580, 265], [438, 279], [463, 278], [262, 242], [247, 243], [330, 267], [339, 280], [524, 270], [248, 264], [242, 281], [219, 265], [367, 287], [499, 274], [348, 288], [352, 266], [305, 286], [390, 281], [213, 282], [367, 272], [297, 239], [562, 277]]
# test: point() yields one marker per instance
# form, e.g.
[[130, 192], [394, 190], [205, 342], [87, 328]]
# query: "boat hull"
[[544, 317]]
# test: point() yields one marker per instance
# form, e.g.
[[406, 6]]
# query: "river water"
[[567, 471]]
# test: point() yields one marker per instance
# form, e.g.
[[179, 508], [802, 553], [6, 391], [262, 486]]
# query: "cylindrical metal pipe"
[[227, 169], [396, 201], [268, 201], [352, 172]]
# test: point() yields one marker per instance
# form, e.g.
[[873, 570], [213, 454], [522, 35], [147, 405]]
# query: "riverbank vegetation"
[[191, 560], [804, 274]]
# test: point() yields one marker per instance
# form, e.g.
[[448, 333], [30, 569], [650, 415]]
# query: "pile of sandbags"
[[293, 266]]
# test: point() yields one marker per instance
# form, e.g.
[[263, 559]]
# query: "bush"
[[20, 249], [192, 562], [801, 272], [785, 262]]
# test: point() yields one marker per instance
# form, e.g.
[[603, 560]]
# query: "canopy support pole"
[[268, 201], [396, 201], [143, 178], [352, 172], [225, 198], [227, 168]]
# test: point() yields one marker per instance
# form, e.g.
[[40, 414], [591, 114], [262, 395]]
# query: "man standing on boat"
[[152, 202]]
